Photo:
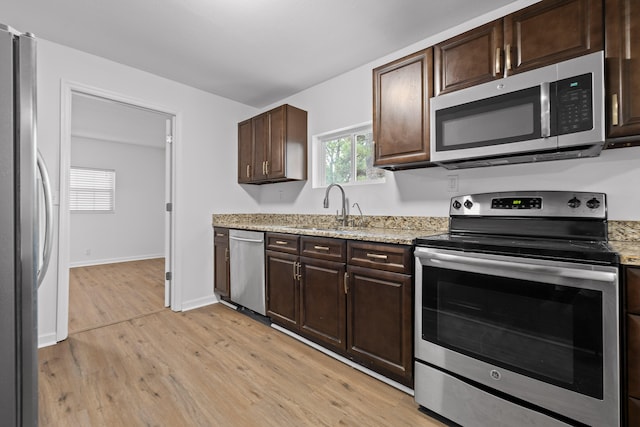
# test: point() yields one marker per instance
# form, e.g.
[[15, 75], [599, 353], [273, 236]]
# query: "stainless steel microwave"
[[554, 112]]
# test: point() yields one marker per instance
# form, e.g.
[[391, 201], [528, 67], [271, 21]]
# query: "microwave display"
[[574, 105]]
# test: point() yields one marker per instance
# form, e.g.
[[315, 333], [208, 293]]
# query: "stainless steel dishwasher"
[[247, 269]]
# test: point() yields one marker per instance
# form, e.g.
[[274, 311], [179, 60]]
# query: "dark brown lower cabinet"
[[632, 344], [282, 288], [354, 298], [380, 322], [322, 302], [306, 293], [221, 281]]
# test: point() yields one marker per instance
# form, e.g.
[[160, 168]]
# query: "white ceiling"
[[256, 52]]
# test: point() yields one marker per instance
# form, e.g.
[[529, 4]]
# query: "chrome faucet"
[[326, 202]]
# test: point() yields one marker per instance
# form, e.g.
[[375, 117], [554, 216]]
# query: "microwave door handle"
[[545, 111]]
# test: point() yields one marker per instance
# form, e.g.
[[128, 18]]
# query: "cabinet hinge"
[[168, 275], [169, 207]]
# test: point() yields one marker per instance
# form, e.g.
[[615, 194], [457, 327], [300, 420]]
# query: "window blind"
[[92, 190]]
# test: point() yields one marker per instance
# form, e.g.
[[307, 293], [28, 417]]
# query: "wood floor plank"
[[129, 362], [103, 294], [208, 367]]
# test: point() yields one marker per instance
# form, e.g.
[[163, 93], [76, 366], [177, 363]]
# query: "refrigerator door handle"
[[48, 210]]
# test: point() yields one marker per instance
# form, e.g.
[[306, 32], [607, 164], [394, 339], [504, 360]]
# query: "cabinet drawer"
[[396, 258], [283, 242], [221, 234], [323, 248], [633, 355], [633, 289]]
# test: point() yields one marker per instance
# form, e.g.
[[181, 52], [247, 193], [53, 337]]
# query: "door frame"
[[172, 287]]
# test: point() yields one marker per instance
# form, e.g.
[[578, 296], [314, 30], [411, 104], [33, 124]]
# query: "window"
[[346, 157], [92, 190]]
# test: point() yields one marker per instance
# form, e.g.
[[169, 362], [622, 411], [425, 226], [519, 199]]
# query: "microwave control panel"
[[574, 104]]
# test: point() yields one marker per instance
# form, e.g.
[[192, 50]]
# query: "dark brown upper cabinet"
[[542, 34], [401, 91], [469, 59], [622, 62], [272, 146]]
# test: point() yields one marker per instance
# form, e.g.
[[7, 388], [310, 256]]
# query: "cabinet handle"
[[263, 172], [220, 234], [226, 254], [614, 110], [248, 171], [376, 256], [498, 60], [321, 248], [281, 242], [346, 283], [507, 55], [298, 276], [266, 167]]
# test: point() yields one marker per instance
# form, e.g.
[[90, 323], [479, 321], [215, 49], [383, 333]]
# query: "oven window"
[[511, 117], [548, 332]]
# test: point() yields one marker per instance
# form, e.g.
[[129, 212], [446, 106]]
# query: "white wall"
[[347, 100], [135, 230], [206, 134]]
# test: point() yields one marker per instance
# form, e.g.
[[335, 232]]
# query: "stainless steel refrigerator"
[[21, 204]]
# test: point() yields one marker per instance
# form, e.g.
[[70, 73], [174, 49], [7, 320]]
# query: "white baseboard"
[[88, 263], [47, 340], [199, 302]]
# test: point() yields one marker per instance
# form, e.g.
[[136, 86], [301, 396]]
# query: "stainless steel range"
[[517, 312]]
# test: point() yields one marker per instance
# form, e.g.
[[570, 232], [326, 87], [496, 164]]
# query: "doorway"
[[134, 142]]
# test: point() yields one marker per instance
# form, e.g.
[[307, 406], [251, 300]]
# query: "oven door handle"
[[599, 276]]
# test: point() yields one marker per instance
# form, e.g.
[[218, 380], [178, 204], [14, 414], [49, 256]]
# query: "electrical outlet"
[[87, 251], [452, 183]]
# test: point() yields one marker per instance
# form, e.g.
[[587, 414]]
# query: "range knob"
[[468, 204], [457, 204], [574, 203], [593, 203]]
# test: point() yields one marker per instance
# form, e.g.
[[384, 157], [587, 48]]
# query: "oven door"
[[540, 331]]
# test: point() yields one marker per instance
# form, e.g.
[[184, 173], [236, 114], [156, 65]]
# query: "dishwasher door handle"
[[243, 239]]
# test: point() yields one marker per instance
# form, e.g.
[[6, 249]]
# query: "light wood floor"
[[100, 295], [208, 367]]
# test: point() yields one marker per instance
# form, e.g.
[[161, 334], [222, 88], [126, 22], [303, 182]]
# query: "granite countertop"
[[624, 236], [383, 229], [629, 251]]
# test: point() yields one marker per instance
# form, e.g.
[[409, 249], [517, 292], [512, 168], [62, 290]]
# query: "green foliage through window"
[[348, 158]]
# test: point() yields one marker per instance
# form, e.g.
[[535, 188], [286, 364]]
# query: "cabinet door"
[[469, 59], [282, 288], [401, 92], [260, 146], [623, 69], [380, 322], [245, 150], [322, 302], [633, 355], [277, 134], [552, 31], [221, 261]]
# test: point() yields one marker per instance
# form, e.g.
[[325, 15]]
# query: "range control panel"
[[569, 204]]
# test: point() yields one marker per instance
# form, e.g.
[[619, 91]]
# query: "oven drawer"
[[395, 258]]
